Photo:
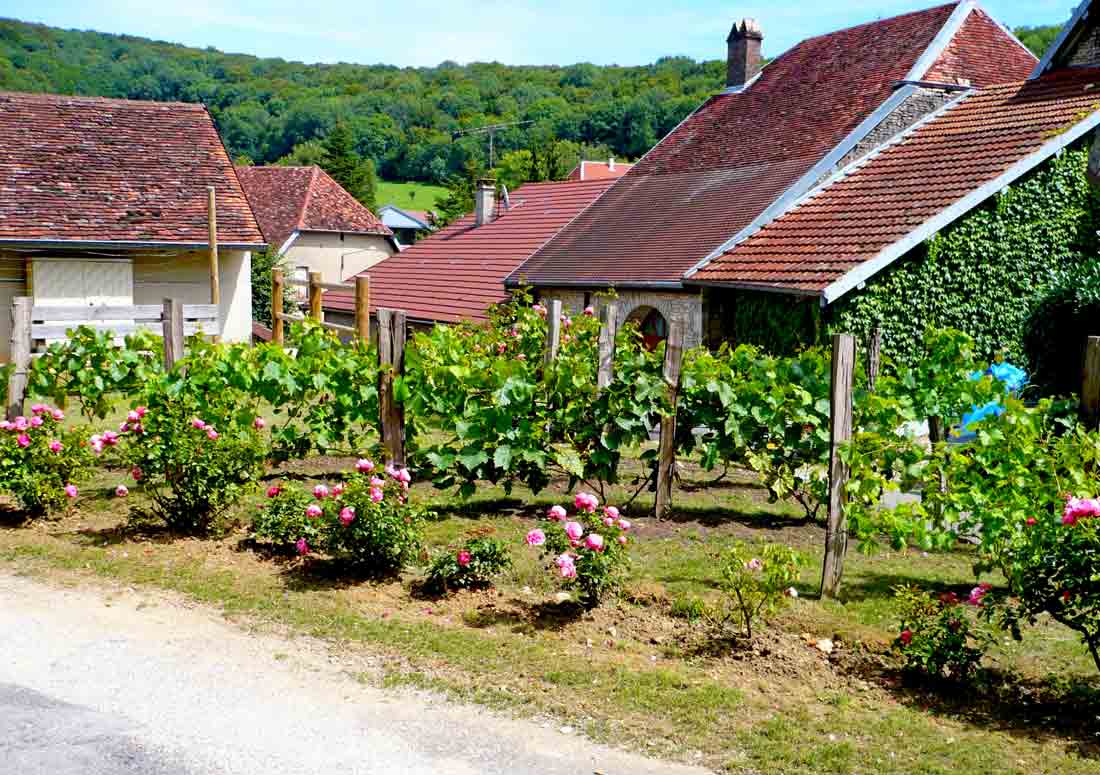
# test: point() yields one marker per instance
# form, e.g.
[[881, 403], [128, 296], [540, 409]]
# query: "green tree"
[[304, 154], [459, 199]]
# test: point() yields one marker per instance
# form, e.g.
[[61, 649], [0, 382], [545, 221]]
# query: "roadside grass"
[[408, 196], [639, 672]]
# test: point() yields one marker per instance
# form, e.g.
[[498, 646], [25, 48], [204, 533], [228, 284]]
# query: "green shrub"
[[472, 565], [758, 580], [384, 534], [936, 637], [1056, 330], [39, 460], [282, 520]]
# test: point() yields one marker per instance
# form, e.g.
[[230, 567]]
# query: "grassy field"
[[638, 672], [409, 196]]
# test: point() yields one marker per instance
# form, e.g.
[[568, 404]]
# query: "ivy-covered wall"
[[984, 274]]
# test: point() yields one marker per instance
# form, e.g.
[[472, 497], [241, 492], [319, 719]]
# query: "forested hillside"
[[402, 118]]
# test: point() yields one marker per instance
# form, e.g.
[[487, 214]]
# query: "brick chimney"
[[484, 202], [743, 52]]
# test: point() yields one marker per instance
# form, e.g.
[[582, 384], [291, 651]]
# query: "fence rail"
[[315, 291], [54, 322]]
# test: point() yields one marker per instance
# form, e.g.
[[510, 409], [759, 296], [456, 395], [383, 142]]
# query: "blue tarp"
[[1014, 379]]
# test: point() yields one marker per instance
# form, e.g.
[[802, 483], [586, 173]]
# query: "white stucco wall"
[[186, 276], [336, 256]]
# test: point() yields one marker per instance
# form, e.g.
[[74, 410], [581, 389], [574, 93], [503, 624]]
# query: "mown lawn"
[[638, 672], [408, 196]]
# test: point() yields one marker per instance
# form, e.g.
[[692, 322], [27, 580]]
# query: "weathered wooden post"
[[172, 324], [215, 270], [608, 330], [840, 432], [20, 354], [391, 357], [315, 310], [362, 309], [553, 331], [278, 334], [874, 358], [1090, 388], [666, 455]]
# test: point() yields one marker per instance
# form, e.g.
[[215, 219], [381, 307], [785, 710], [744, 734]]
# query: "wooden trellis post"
[[20, 354], [391, 356], [608, 330], [553, 331], [278, 334], [362, 309], [874, 358], [315, 310], [172, 322], [1090, 387], [666, 455], [840, 431]]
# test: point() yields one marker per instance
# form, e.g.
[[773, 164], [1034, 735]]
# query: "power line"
[[491, 130]]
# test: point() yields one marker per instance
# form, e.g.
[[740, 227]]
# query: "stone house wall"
[[671, 304]]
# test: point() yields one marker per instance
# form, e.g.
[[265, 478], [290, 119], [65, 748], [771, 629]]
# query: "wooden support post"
[[608, 330], [936, 435], [20, 354], [362, 309], [874, 358], [840, 427], [212, 218], [666, 455], [553, 330], [172, 322], [1090, 388], [315, 310], [391, 356], [278, 335]]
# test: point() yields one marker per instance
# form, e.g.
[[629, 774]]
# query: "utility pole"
[[491, 130]]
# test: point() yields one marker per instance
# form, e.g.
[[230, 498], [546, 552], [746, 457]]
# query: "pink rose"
[[259, 423], [622, 540], [122, 491], [313, 511], [574, 530], [198, 424], [586, 502], [141, 412], [1032, 521], [110, 438], [608, 522], [594, 542], [38, 408], [568, 571], [624, 524], [611, 511], [23, 440], [536, 538], [906, 637], [347, 515], [404, 476], [754, 564], [302, 546], [56, 446], [338, 490], [791, 592], [273, 490], [5, 425], [36, 422], [463, 558], [133, 416], [20, 423], [521, 357], [589, 311], [364, 466], [211, 434], [375, 495], [391, 471], [70, 490], [136, 473], [556, 513], [58, 415], [377, 483], [320, 492]]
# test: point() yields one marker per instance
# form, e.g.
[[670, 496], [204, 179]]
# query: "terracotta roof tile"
[[884, 198], [726, 163], [89, 169], [599, 170], [290, 199], [457, 272], [982, 52]]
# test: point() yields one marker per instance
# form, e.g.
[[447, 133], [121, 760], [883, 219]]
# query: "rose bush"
[[588, 552], [936, 636], [41, 461], [473, 564], [758, 580]]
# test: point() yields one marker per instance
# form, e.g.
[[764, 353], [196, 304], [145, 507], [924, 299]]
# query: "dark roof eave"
[[126, 244], [667, 285], [770, 288]]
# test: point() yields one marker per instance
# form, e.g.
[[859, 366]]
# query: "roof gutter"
[[743, 286], [126, 244]]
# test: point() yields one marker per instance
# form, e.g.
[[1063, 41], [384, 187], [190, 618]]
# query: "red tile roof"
[[983, 52], [88, 169], [456, 273], [599, 170], [731, 159], [954, 161], [290, 199]]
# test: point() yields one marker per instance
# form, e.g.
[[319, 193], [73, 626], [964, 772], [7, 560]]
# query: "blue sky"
[[418, 32]]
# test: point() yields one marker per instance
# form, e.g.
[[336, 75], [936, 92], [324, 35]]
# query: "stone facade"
[[1086, 52], [636, 303]]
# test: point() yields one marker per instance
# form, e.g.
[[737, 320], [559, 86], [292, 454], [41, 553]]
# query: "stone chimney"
[[485, 202], [743, 52]]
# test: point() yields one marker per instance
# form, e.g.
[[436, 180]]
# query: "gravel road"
[[126, 682]]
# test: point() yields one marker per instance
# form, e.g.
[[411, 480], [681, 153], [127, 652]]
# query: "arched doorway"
[[651, 323]]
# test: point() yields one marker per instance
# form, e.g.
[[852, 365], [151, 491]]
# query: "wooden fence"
[[173, 320], [315, 290]]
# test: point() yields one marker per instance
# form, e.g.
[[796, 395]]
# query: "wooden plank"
[[1090, 388], [278, 334], [315, 310], [840, 432], [362, 308], [296, 282], [200, 312], [91, 314], [391, 357], [172, 330], [553, 331], [61, 331], [874, 358], [338, 287], [341, 328], [294, 317], [666, 453], [608, 330], [20, 354], [212, 223]]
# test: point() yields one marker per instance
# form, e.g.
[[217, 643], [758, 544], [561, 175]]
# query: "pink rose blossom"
[[377, 483], [375, 495], [611, 511], [259, 423], [791, 592], [622, 540], [557, 513], [594, 542], [20, 423], [70, 490], [906, 637], [338, 490], [590, 310], [133, 416], [1032, 521], [978, 593], [313, 511], [211, 434], [464, 558], [110, 438], [574, 530], [58, 415], [347, 515], [124, 427], [404, 476], [609, 522], [624, 524], [364, 466], [273, 491], [5, 425], [302, 546], [141, 412], [536, 538], [122, 491], [56, 446], [96, 442], [1080, 508], [586, 502], [198, 424], [36, 422], [38, 408], [320, 492], [136, 473], [23, 440], [754, 564]]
